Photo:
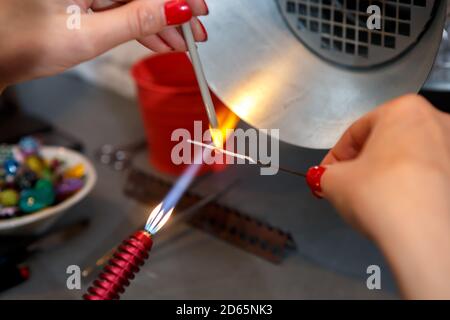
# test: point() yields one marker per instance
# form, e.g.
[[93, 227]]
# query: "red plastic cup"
[[169, 98]]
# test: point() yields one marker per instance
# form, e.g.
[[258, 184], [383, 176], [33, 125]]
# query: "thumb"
[[337, 184], [329, 181], [136, 19]]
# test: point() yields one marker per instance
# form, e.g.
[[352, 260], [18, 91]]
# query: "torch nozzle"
[[158, 218]]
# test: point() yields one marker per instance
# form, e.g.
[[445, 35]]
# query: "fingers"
[[199, 30], [155, 43], [198, 7], [134, 20], [101, 5], [352, 141], [173, 37], [340, 162], [335, 179], [119, 21]]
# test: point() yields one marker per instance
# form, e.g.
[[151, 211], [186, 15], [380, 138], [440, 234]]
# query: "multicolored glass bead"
[[26, 179], [35, 164], [68, 187], [9, 198], [10, 166], [31, 201], [45, 191], [29, 183], [29, 146], [5, 152], [75, 172], [8, 212]]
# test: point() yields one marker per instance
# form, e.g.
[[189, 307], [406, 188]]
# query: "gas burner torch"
[[133, 252], [126, 261]]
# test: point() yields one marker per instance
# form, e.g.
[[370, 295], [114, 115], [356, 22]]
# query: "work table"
[[330, 261]]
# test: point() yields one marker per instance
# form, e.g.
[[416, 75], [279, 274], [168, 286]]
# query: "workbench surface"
[[330, 261]]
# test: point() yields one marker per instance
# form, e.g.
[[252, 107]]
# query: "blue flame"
[[161, 214]]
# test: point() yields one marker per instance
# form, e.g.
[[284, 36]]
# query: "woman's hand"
[[40, 38], [389, 175]]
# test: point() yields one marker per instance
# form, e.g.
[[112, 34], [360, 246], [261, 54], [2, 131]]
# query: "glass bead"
[[9, 198]]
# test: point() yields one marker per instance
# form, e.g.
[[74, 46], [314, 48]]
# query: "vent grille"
[[337, 29]]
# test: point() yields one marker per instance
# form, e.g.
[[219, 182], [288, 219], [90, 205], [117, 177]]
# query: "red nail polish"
[[204, 31], [207, 8], [177, 12], [313, 178], [24, 272]]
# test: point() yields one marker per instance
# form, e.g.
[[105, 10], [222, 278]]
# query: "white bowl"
[[38, 222]]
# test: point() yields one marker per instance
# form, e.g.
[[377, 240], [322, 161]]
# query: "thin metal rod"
[[200, 74], [290, 171], [221, 150], [244, 157]]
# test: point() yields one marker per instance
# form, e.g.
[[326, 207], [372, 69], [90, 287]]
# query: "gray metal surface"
[[331, 260], [259, 68], [439, 79]]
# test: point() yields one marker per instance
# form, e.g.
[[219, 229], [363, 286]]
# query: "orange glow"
[[252, 95], [217, 137], [227, 120]]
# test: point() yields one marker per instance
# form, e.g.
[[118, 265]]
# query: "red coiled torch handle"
[[121, 268]]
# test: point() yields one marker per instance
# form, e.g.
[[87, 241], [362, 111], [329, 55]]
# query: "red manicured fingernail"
[[177, 12], [313, 178], [207, 8], [204, 31], [24, 272]]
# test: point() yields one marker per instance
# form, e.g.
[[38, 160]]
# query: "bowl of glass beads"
[[38, 183]]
